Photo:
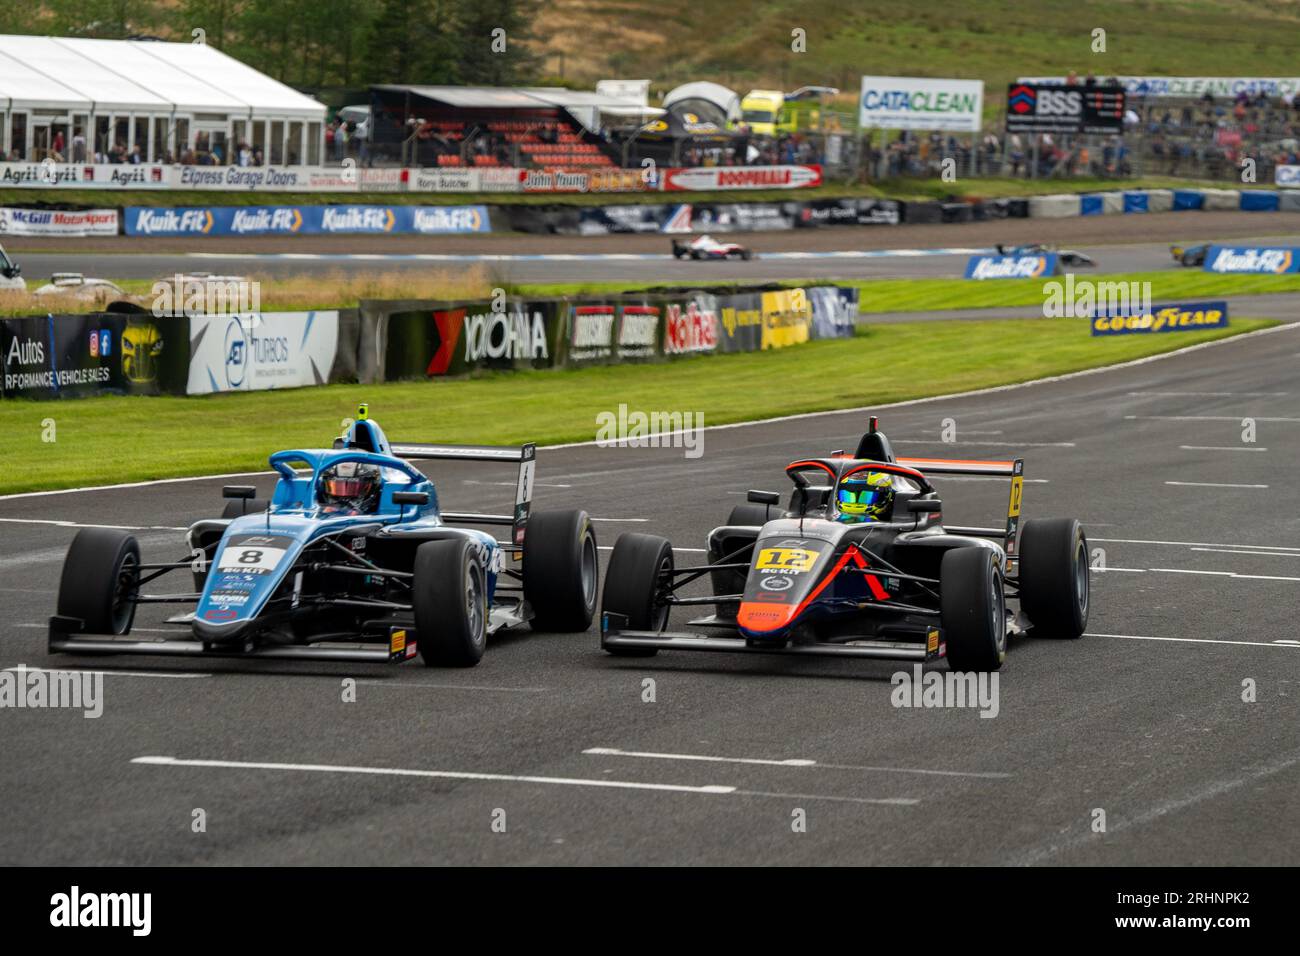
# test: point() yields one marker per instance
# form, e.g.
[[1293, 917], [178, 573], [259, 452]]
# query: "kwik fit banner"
[[304, 220], [1252, 259], [1011, 267]]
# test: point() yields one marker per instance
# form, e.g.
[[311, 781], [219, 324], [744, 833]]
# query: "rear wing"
[[524, 455], [1014, 470]]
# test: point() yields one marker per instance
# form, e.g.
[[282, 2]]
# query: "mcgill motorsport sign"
[[1035, 108], [906, 102]]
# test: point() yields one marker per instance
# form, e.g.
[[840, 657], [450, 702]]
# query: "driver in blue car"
[[349, 488]]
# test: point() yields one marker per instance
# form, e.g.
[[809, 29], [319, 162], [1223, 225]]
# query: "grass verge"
[[119, 439]]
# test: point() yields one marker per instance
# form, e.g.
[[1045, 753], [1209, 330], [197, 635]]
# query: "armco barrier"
[[914, 212], [1053, 207], [1160, 200], [1185, 199], [1259, 200], [1137, 201], [1288, 200], [1221, 199]]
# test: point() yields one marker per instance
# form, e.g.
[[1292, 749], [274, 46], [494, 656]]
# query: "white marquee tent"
[[166, 99]]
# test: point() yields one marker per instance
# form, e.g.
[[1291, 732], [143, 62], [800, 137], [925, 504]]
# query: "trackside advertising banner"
[[906, 102], [461, 337], [741, 177], [1187, 317], [1228, 86], [56, 222], [261, 350], [1011, 267], [1253, 259], [304, 220], [50, 175], [56, 356], [1287, 176]]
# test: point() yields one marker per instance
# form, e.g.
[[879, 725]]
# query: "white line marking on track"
[[76, 524], [1183, 640], [402, 685], [988, 444], [1229, 574], [1219, 448], [1266, 554], [1204, 544], [1212, 394], [177, 675], [789, 762], [1203, 418], [1288, 642], [1108, 570], [951, 396], [1211, 484], [709, 789]]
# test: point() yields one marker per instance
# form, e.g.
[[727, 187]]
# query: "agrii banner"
[[905, 102], [261, 350], [56, 222], [304, 220]]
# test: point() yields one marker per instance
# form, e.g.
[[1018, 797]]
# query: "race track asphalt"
[[1143, 718], [1117, 244]]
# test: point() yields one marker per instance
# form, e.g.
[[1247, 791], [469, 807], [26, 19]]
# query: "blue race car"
[[352, 559]]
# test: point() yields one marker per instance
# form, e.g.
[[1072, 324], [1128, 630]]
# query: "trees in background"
[[318, 44]]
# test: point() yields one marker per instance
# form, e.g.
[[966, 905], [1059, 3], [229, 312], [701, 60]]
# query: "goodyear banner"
[[57, 356], [304, 220], [1011, 267], [1252, 259], [1188, 317]]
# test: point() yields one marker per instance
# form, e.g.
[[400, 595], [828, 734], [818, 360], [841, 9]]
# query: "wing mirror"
[[924, 505], [763, 497], [410, 497], [238, 491]]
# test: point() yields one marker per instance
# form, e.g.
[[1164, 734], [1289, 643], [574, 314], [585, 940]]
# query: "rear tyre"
[[450, 598], [638, 567], [746, 254], [1054, 585], [100, 580], [238, 506], [973, 609], [560, 570]]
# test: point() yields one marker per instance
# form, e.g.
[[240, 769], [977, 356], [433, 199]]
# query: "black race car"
[[1190, 255], [1066, 257], [859, 565]]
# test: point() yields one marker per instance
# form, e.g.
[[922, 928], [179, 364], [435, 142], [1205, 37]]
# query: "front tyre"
[[560, 570], [1054, 577], [100, 580], [973, 609], [640, 567], [450, 603]]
